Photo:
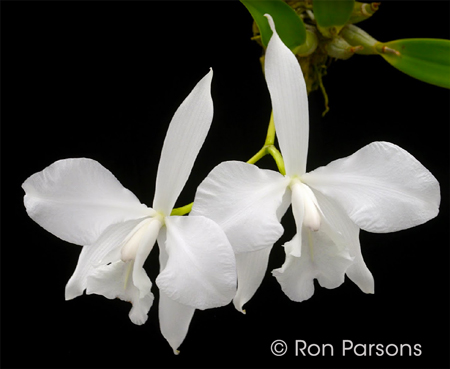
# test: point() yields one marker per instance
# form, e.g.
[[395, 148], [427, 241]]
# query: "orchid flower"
[[380, 188], [80, 201]]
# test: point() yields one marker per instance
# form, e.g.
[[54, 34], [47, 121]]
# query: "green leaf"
[[423, 58], [332, 15], [289, 26]]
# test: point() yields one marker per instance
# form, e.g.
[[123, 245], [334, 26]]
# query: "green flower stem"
[[268, 148], [258, 156], [182, 210], [276, 155], [270, 138]]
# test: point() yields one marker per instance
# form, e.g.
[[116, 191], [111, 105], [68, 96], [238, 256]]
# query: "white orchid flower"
[[81, 202], [380, 188]]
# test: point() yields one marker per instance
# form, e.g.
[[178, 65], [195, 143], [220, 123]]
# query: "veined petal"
[[345, 234], [287, 89], [320, 259], [244, 201], [77, 199], [174, 318], [105, 250], [382, 188], [201, 268], [251, 268], [185, 136], [115, 280]]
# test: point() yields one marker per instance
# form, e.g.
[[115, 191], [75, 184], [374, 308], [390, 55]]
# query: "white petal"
[[382, 188], [360, 274], [77, 199], [345, 234], [174, 318], [201, 268], [105, 250], [245, 202], [320, 259], [185, 136], [251, 268], [115, 280], [287, 89]]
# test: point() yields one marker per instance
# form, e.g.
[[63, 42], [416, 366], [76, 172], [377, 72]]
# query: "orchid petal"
[[244, 201], [251, 268], [359, 273], [115, 280], [344, 233], [287, 89], [77, 199], [320, 259], [185, 136], [174, 318], [201, 268], [105, 250], [382, 188]]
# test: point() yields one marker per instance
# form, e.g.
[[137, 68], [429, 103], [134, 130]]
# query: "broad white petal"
[[77, 199], [185, 136], [105, 250], [320, 259], [345, 234], [287, 89], [201, 268], [115, 280], [382, 188], [245, 202], [251, 268]]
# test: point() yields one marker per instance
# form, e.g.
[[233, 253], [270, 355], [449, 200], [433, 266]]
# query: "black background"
[[103, 79]]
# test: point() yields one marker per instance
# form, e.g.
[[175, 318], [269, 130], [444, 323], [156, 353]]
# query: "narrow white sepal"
[[289, 97], [251, 269], [185, 136]]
